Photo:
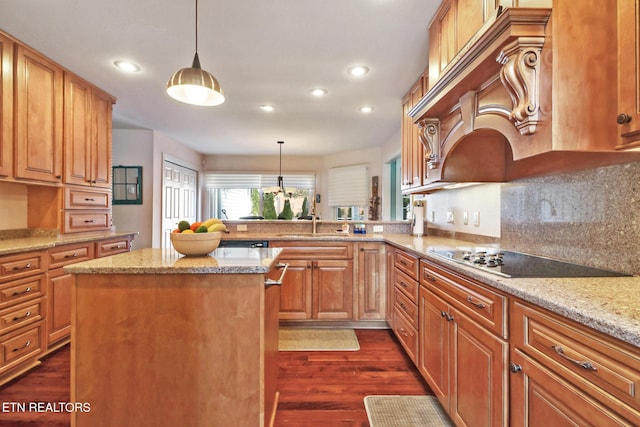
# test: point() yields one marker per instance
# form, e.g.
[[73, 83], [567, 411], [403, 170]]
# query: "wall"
[[13, 206], [588, 217], [135, 148]]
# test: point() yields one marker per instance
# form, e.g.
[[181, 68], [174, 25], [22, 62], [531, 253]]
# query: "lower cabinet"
[[371, 281], [564, 374]]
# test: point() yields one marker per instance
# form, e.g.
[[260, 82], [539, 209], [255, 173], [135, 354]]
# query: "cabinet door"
[[101, 147], [433, 358], [406, 151], [371, 281], [628, 72], [77, 130], [6, 107], [59, 297], [38, 121], [295, 292], [332, 289], [539, 398], [390, 280], [478, 374]]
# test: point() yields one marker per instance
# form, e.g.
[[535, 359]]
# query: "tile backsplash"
[[589, 217]]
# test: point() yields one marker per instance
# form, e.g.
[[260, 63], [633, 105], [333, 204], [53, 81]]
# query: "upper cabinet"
[[628, 75], [6, 107], [412, 158], [87, 133], [524, 91], [38, 116]]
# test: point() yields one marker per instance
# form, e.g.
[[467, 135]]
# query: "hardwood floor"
[[317, 388]]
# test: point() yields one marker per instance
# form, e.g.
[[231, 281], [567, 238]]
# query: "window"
[[348, 192], [243, 196]]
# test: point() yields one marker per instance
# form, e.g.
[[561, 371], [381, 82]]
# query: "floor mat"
[[301, 339], [405, 411]]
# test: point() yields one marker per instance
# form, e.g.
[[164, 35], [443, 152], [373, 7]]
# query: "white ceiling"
[[261, 51]]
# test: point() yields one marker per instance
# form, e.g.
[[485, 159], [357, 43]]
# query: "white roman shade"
[[253, 180], [348, 186]]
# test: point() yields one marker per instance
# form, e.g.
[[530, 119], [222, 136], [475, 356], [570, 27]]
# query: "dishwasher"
[[243, 243]]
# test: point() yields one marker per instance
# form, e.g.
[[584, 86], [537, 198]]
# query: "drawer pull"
[[403, 262], [404, 285], [88, 221], [271, 282], [446, 315], [27, 314], [515, 368], [403, 332], [27, 344], [24, 267], [115, 247], [404, 307], [74, 255], [476, 303], [429, 277], [584, 364], [89, 200], [26, 291]]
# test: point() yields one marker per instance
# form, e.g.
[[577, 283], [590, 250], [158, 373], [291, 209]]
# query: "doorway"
[[180, 198]]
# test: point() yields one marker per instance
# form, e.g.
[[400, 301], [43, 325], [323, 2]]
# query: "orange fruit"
[[195, 225], [177, 230]]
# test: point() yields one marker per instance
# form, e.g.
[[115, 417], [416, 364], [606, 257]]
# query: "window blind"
[[348, 186], [301, 181]]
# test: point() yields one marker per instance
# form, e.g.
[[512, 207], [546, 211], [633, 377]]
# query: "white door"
[[180, 190]]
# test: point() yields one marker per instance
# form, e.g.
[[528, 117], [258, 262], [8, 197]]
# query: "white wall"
[[135, 148], [13, 206]]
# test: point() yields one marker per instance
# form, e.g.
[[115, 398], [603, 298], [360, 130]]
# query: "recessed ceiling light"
[[127, 66], [318, 92], [267, 107], [366, 109], [358, 70]]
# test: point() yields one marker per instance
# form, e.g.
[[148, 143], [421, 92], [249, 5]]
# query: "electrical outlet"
[[450, 216], [433, 216], [242, 227], [377, 228], [465, 218], [476, 218]]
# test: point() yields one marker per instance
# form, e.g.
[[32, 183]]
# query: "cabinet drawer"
[[476, 301], [407, 285], [595, 362], [407, 307], [77, 221], [314, 250], [407, 263], [15, 317], [68, 254], [22, 265], [21, 345], [21, 290], [112, 247], [75, 198], [407, 334]]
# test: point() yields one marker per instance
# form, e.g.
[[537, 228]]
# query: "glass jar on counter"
[[360, 229]]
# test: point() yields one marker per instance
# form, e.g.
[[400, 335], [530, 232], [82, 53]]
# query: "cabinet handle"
[[26, 291], [583, 364], [88, 221], [27, 314], [404, 307], [27, 344], [403, 262], [115, 247], [89, 200], [24, 267], [515, 368], [476, 303], [623, 118], [403, 332], [446, 315], [74, 255], [271, 282], [429, 277]]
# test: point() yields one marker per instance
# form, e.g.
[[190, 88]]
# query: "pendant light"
[[280, 188], [194, 85]]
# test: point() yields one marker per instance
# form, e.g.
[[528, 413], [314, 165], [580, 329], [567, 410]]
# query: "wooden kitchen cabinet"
[[6, 107], [563, 373], [411, 155], [629, 73], [405, 302], [319, 282], [38, 116], [371, 280], [463, 351], [22, 312], [87, 133], [390, 289]]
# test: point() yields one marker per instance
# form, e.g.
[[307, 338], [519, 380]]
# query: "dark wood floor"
[[316, 388]]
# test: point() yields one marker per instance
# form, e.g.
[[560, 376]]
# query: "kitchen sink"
[[334, 234]]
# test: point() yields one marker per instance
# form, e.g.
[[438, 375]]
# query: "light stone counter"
[[168, 261], [34, 243]]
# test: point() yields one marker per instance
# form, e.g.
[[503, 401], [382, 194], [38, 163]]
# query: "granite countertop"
[[168, 261], [34, 243]]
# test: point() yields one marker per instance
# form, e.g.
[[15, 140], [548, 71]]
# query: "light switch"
[[476, 218], [450, 216], [465, 218]]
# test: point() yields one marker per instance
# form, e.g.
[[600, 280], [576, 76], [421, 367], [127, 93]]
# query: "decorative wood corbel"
[[429, 133], [521, 77]]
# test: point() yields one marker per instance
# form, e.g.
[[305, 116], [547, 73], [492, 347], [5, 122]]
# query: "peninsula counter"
[[164, 340]]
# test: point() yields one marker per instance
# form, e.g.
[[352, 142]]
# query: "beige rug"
[[300, 339], [405, 411]]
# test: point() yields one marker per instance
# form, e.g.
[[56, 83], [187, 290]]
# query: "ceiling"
[[262, 52]]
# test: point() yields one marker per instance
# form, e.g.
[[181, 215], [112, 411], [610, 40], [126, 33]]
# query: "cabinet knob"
[[515, 368], [623, 118]]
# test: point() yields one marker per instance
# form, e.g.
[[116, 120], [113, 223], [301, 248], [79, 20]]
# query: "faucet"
[[314, 220]]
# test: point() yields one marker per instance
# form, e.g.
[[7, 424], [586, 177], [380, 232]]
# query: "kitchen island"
[[164, 340]]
